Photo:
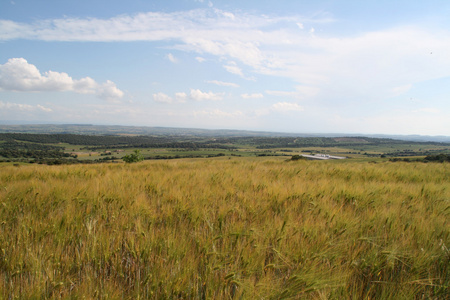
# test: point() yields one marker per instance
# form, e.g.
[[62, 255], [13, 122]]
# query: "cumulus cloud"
[[85, 85], [222, 83], [252, 96], [20, 76], [108, 91], [198, 95]]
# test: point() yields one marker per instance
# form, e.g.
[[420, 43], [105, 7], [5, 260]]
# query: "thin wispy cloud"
[[182, 97], [281, 93], [234, 69], [222, 83], [23, 107], [216, 113], [287, 107], [252, 96], [172, 58]]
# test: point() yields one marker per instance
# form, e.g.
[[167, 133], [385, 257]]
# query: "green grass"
[[243, 228]]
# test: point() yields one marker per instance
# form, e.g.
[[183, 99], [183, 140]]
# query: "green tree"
[[297, 157], [133, 157]]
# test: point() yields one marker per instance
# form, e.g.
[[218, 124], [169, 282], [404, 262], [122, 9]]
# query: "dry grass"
[[222, 229]]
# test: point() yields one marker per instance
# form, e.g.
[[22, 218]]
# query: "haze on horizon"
[[375, 67]]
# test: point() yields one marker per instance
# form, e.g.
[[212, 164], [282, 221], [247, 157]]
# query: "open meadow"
[[225, 228]]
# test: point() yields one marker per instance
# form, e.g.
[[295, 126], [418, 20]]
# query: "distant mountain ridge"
[[144, 130]]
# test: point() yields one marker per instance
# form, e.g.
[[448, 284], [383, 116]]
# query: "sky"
[[325, 66]]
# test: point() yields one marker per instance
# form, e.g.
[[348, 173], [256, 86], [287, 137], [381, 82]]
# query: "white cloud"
[[18, 106], [301, 92], [218, 113], [229, 15], [198, 95], [172, 58], [20, 76], [43, 108], [286, 107], [210, 4], [365, 65], [234, 69], [200, 59], [252, 96], [85, 85], [398, 90], [181, 97], [109, 91], [279, 107], [23, 107], [222, 83], [281, 93], [307, 91], [163, 98]]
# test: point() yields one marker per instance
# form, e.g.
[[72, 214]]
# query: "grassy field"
[[74, 148], [225, 228], [248, 151]]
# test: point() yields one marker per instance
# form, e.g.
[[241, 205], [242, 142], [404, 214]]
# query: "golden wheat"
[[225, 228]]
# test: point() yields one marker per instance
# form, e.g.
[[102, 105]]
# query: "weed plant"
[[225, 229]]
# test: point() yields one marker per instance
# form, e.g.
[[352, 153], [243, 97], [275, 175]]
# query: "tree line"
[[442, 157], [95, 142]]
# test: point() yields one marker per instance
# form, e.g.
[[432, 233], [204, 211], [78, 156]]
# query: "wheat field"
[[240, 228]]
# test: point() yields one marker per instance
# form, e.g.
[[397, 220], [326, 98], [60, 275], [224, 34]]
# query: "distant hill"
[[160, 131]]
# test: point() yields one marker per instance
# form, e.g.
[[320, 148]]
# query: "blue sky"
[[290, 66]]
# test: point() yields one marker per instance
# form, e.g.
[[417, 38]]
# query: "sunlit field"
[[225, 228]]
